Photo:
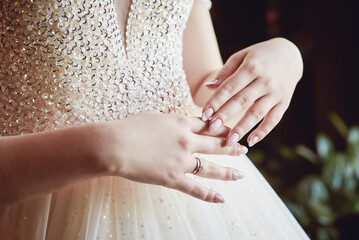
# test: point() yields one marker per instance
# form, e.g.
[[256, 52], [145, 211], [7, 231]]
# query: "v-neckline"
[[123, 32]]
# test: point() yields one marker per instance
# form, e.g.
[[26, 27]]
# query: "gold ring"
[[198, 166]]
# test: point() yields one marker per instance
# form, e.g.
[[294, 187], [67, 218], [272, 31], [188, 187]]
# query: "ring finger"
[[207, 169]]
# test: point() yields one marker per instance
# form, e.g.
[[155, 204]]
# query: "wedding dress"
[[68, 62]]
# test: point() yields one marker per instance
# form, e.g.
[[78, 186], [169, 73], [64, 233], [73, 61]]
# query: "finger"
[[239, 103], [253, 116], [230, 87], [228, 69], [266, 126], [214, 171], [194, 189], [222, 132], [215, 145], [199, 127]]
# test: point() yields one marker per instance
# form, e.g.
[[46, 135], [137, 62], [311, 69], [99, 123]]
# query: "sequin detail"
[[65, 62]]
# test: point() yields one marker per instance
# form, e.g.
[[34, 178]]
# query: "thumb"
[[227, 70]]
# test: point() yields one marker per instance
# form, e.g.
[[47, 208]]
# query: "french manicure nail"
[[233, 138], [207, 114], [253, 141], [237, 175], [218, 199], [212, 82], [242, 150], [215, 125]]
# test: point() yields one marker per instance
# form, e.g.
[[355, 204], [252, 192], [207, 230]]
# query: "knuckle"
[[211, 170], [269, 83], [257, 114], [229, 88], [172, 176], [184, 142], [254, 67], [182, 120], [198, 192], [241, 99]]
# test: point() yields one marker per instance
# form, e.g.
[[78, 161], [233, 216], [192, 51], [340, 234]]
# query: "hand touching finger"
[[275, 63], [238, 103], [266, 126], [215, 145], [229, 88], [253, 116], [200, 127]]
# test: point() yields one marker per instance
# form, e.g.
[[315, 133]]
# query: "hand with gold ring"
[[157, 149]]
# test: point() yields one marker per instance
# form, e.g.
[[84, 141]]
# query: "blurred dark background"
[[326, 33]]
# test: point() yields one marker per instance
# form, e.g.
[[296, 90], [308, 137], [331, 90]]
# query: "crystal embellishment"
[[65, 62]]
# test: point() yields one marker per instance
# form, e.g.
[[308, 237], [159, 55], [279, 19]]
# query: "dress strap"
[[208, 3]]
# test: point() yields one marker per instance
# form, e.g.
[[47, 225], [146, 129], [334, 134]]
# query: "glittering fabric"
[[65, 62]]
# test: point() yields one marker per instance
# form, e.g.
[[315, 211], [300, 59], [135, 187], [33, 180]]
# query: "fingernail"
[[233, 138], [207, 114], [215, 125], [253, 141], [212, 82], [242, 150], [237, 175], [218, 199]]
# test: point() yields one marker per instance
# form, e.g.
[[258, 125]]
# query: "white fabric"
[[116, 208]]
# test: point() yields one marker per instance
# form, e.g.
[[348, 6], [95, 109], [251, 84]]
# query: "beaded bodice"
[[65, 62]]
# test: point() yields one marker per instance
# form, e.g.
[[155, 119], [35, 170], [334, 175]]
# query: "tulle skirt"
[[116, 208]]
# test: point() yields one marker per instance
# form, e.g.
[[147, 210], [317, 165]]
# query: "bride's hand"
[[256, 83], [157, 149]]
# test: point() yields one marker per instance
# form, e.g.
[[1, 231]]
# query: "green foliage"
[[331, 193]]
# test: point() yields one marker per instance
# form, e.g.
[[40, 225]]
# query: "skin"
[[255, 83], [66, 156]]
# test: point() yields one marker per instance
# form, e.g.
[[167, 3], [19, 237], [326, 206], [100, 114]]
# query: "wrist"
[[104, 147]]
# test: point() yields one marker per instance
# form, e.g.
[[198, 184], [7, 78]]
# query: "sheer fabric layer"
[[115, 208]]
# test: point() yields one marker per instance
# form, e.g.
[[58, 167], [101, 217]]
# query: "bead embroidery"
[[63, 62]]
